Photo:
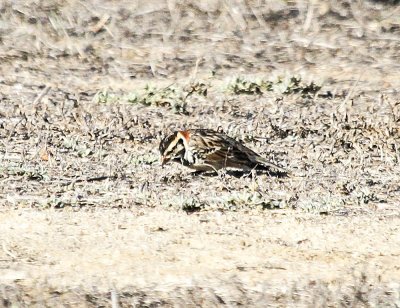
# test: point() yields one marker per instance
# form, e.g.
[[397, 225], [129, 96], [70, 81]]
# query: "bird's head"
[[173, 147]]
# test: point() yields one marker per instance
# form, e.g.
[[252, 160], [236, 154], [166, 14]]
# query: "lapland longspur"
[[208, 150]]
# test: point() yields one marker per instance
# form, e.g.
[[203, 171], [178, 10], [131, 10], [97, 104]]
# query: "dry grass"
[[88, 89], [151, 256]]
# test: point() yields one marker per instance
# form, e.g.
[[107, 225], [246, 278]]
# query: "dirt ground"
[[91, 219]]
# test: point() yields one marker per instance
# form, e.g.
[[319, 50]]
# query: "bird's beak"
[[164, 160]]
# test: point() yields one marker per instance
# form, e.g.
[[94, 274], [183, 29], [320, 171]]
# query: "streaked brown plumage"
[[208, 150]]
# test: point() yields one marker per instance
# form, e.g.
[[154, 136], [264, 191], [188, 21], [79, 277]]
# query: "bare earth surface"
[[88, 216]]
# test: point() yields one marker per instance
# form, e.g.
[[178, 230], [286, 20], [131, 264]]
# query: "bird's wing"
[[219, 147], [224, 148]]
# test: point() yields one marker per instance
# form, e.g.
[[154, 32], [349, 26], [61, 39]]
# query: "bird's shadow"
[[241, 173]]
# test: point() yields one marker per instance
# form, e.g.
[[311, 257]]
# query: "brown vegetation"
[[91, 219]]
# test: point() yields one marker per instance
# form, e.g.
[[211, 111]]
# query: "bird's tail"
[[266, 165]]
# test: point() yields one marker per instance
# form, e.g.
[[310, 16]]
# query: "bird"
[[209, 150]]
